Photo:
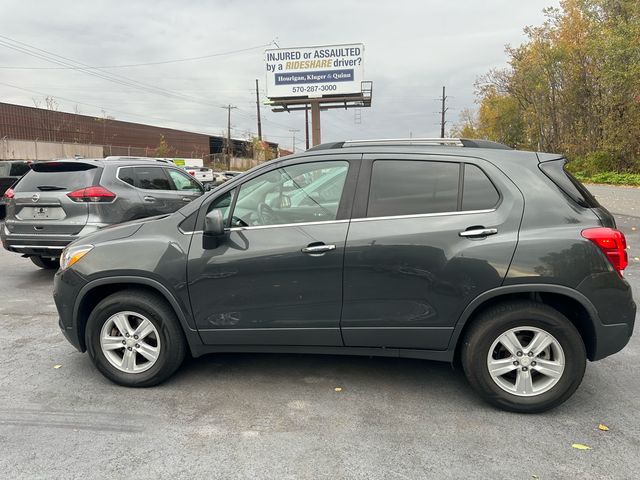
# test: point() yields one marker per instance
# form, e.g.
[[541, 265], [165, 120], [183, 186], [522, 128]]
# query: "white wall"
[[37, 150]]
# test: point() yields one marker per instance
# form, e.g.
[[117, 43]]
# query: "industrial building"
[[42, 134]]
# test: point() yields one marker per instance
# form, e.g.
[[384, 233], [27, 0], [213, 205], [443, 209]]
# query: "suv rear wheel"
[[524, 357], [44, 262], [134, 339]]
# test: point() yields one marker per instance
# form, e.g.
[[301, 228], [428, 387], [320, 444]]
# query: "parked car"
[[57, 202], [219, 178], [468, 252], [10, 172], [202, 174]]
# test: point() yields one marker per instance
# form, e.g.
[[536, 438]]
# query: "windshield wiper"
[[50, 188]]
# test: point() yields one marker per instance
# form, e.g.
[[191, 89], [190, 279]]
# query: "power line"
[[110, 110], [162, 62], [84, 68]]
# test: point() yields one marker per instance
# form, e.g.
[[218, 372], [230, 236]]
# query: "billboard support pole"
[[315, 122], [306, 126]]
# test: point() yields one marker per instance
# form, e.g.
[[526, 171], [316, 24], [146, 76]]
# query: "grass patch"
[[611, 178]]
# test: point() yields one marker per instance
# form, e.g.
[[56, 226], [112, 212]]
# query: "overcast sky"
[[412, 49]]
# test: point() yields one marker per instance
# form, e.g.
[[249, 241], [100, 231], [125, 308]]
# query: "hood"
[[119, 231]]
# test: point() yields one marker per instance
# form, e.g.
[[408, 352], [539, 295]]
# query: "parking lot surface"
[[280, 416]]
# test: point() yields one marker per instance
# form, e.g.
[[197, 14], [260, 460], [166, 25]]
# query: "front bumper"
[[66, 288]]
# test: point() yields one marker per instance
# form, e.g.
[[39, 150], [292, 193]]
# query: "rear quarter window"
[[556, 172]]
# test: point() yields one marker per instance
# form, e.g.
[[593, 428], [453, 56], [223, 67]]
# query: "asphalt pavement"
[[280, 416]]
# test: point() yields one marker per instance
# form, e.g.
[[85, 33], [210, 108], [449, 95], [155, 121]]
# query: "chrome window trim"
[[365, 219], [424, 215], [189, 232], [301, 224]]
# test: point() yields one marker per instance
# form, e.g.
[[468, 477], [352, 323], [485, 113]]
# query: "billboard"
[[314, 71]]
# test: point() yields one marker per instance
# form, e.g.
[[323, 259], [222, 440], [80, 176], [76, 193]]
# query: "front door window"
[[308, 192]]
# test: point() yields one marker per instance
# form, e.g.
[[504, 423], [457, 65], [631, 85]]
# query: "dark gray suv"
[[458, 251], [57, 202]]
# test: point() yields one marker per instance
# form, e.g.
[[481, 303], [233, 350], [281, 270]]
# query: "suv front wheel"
[[134, 339], [523, 356]]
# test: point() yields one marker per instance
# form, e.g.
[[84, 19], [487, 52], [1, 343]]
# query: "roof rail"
[[404, 141], [444, 142], [129, 158]]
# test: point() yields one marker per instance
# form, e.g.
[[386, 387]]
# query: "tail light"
[[95, 194], [8, 194], [191, 172], [612, 243]]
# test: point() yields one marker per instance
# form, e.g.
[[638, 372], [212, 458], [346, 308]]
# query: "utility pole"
[[294, 130], [228, 149], [442, 112], [258, 109]]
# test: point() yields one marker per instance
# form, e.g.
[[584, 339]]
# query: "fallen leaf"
[[579, 446], [57, 366], [338, 389], [603, 427]]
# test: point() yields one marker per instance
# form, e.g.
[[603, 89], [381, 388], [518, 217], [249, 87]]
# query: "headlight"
[[72, 254]]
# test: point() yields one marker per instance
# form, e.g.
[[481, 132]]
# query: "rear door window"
[[51, 176], [151, 178], [408, 187], [478, 192]]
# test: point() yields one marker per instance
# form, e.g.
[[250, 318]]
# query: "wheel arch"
[[571, 303], [93, 292]]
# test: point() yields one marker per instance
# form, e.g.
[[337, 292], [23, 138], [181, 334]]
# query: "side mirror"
[[214, 223]]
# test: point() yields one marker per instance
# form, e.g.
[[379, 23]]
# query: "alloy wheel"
[[526, 361], [130, 342]]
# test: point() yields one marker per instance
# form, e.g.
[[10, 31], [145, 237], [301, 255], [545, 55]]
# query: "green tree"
[[572, 87], [163, 149]]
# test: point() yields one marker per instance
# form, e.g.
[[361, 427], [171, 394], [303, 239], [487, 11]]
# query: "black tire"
[[46, 263], [160, 314], [495, 321]]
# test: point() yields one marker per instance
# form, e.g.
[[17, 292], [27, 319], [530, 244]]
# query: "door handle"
[[186, 199], [318, 248], [149, 198], [478, 232]]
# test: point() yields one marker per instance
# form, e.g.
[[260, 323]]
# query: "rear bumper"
[[44, 245], [615, 312]]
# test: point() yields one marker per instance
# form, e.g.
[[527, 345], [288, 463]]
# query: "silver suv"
[[57, 202]]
